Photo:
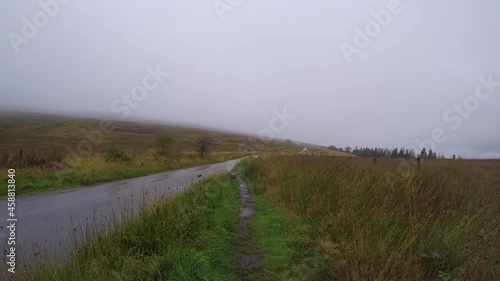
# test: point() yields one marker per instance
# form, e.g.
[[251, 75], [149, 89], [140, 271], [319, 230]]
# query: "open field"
[[360, 220], [60, 152]]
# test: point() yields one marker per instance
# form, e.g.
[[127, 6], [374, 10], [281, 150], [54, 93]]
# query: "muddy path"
[[249, 257]]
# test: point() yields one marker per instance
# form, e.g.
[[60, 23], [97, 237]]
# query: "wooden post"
[[418, 161], [20, 154]]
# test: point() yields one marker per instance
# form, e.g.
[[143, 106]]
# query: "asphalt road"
[[49, 224]]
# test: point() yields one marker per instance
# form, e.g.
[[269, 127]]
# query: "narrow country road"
[[48, 224], [303, 150]]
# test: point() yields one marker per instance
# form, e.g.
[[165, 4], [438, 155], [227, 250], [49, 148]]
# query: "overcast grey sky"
[[358, 73]]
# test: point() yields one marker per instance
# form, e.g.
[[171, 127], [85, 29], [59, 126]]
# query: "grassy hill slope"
[[53, 152]]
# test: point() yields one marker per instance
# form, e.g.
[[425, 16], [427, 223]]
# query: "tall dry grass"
[[376, 221]]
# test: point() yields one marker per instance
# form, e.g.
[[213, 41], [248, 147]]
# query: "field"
[[54, 152], [379, 221]]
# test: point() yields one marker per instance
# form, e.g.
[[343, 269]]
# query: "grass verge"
[[190, 237], [97, 169]]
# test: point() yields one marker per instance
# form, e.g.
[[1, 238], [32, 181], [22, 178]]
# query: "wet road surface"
[[48, 224]]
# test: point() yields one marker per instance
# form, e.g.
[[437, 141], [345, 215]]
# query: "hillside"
[[55, 152], [49, 135]]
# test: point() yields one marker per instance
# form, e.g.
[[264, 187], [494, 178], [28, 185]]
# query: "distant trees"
[[164, 141], [431, 155], [202, 145], [401, 152], [384, 152], [377, 152], [423, 153], [394, 153]]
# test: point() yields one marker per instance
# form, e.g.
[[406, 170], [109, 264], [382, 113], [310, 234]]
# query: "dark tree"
[[202, 146], [401, 153], [431, 154], [423, 153], [394, 153]]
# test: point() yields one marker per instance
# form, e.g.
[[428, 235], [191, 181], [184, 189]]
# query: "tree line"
[[392, 153]]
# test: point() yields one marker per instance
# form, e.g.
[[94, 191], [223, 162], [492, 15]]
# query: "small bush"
[[114, 154], [85, 181]]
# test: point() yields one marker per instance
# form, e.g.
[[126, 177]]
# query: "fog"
[[345, 73]]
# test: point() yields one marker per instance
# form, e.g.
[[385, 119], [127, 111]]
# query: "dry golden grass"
[[383, 221]]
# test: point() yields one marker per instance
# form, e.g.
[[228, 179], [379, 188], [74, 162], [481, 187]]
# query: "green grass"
[[366, 221], [275, 236], [279, 239], [190, 237]]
